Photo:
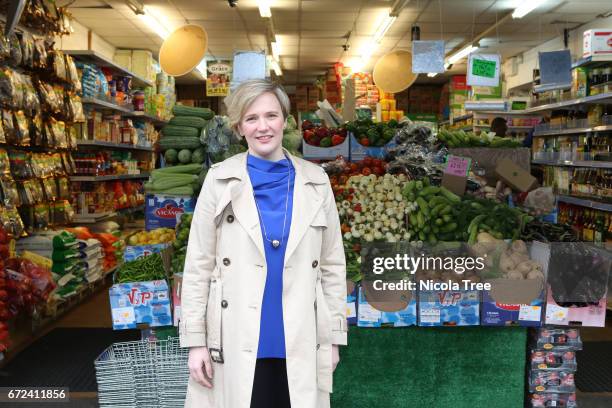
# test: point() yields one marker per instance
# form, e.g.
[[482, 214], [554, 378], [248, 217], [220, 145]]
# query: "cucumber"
[[450, 195]]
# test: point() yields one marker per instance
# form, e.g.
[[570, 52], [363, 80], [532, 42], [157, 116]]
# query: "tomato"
[[366, 171], [367, 161], [364, 141], [354, 167]]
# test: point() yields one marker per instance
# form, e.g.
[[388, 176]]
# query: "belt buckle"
[[216, 355]]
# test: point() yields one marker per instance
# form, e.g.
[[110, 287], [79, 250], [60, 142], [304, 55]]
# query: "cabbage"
[[292, 140]]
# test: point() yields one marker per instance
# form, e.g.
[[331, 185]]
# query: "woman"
[[264, 286]]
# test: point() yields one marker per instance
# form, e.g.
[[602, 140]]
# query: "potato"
[[524, 267], [515, 275], [519, 246]]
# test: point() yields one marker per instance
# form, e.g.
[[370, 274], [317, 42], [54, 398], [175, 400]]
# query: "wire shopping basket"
[[143, 374]]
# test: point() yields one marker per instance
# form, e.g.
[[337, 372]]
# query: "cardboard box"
[[132, 252], [301, 91], [591, 316], [515, 176], [359, 152], [596, 42], [177, 284], [162, 211], [397, 309], [140, 303], [325, 153], [351, 302], [449, 308]]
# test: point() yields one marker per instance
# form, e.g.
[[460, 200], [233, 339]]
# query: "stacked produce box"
[[366, 93], [552, 367]]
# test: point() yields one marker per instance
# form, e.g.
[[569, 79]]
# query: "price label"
[[483, 68], [458, 166]]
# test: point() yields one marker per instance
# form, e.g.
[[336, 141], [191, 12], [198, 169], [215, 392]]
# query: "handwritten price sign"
[[458, 166]]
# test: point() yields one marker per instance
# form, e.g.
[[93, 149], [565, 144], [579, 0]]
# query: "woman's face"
[[262, 126]]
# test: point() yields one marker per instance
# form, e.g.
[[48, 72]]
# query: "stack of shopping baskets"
[[143, 374]]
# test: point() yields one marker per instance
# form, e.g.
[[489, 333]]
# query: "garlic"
[[515, 275], [519, 246]]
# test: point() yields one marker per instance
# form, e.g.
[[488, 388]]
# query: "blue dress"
[[269, 181]]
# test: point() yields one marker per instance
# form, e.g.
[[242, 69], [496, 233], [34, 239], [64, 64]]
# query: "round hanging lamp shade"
[[183, 50], [393, 71]]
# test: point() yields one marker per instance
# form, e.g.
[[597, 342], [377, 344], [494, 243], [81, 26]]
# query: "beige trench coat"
[[225, 274]]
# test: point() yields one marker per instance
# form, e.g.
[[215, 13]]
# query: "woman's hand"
[[199, 359], [335, 356]]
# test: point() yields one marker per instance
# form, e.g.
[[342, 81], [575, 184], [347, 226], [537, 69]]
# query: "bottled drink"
[[587, 229], [599, 233]]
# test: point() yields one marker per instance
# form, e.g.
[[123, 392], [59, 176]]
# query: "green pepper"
[[325, 142]]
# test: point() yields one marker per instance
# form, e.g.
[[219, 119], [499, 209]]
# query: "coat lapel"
[[306, 200]]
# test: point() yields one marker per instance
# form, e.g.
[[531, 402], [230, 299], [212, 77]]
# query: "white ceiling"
[[311, 33]]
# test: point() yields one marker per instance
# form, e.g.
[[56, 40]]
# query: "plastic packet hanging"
[[59, 65], [2, 136], [5, 165], [16, 53], [50, 188], [36, 130], [59, 133], [20, 164], [19, 96], [5, 48], [25, 192], [40, 53], [30, 97], [9, 127], [78, 114], [37, 190], [22, 128], [8, 88], [63, 188], [11, 195], [27, 50], [13, 222], [73, 75], [68, 163], [71, 136], [42, 216]]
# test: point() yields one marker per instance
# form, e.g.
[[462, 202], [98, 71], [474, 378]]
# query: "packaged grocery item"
[[7, 124], [61, 212], [20, 164], [22, 129], [10, 194], [11, 220], [76, 108], [50, 188], [41, 216], [551, 381], [5, 48], [553, 360], [59, 65], [30, 97], [568, 339], [8, 87], [73, 75], [63, 188], [40, 53], [549, 399], [5, 165], [16, 54], [37, 130], [27, 50], [49, 98]]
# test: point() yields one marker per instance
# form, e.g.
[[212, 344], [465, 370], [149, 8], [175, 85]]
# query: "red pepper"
[[357, 208], [366, 171], [336, 140], [364, 141]]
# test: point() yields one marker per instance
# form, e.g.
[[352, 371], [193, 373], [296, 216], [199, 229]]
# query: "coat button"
[[224, 304], [226, 261], [318, 345], [315, 263], [230, 218]]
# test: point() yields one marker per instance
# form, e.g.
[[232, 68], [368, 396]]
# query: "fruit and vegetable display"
[[460, 138], [181, 137], [180, 243], [321, 136], [369, 133], [147, 268], [153, 237], [183, 179], [220, 140], [292, 138]]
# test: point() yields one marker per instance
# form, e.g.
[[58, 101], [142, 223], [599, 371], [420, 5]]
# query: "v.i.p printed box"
[[449, 308], [162, 211]]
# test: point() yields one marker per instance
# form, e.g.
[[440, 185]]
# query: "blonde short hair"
[[243, 96]]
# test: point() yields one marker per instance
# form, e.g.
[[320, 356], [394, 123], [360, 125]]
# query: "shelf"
[[601, 98], [93, 218], [111, 177], [106, 105], [559, 132], [102, 61], [461, 118], [575, 163], [143, 115], [140, 207], [123, 146], [593, 61], [509, 113], [509, 127], [585, 203]]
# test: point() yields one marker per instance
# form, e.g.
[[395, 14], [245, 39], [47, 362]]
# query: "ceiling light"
[[264, 8], [368, 49], [154, 23], [202, 67], [275, 50], [525, 8], [432, 74], [462, 53], [384, 27]]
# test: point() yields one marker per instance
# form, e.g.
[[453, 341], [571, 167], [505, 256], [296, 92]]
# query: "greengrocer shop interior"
[[303, 40]]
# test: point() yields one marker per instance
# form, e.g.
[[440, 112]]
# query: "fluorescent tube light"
[[264, 8], [432, 74], [462, 54], [275, 50], [525, 8], [154, 24], [276, 67], [383, 28]]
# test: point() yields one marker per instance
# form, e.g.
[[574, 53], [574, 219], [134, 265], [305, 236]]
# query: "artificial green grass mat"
[[431, 367]]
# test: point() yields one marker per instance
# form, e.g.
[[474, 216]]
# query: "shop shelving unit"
[[111, 177], [93, 57]]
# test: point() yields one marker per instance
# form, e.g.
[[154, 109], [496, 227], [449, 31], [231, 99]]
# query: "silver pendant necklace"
[[275, 242]]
